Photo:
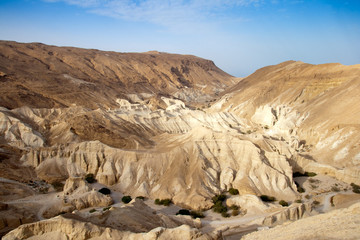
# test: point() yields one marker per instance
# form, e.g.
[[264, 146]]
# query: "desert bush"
[[316, 202], [105, 191], [313, 186], [300, 189], [233, 191], [312, 180], [165, 202], [90, 178], [140, 197], [106, 208], [266, 198], [58, 186], [218, 198], [126, 199], [355, 187], [225, 214], [307, 196], [196, 214], [234, 207], [283, 203], [235, 212], [92, 210], [183, 212], [335, 189], [305, 174], [298, 201], [219, 208]]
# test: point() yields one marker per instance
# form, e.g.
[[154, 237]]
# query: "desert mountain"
[[42, 76], [165, 126]]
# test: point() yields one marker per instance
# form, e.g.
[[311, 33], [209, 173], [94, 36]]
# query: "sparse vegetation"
[[219, 208], [233, 191], [335, 189], [266, 198], [126, 199], [218, 203], [300, 189], [225, 214], [105, 191], [355, 187], [140, 197], [106, 208], [196, 214], [92, 210], [58, 186], [305, 174], [316, 202], [298, 201], [234, 207], [283, 203], [218, 198], [90, 178], [235, 212], [183, 212], [165, 202], [313, 186], [307, 196]]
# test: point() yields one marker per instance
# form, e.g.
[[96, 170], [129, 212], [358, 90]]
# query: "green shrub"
[[140, 197], [305, 174], [235, 212], [196, 214], [283, 203], [225, 214], [126, 199], [105, 191], [307, 196], [106, 208], [298, 201], [183, 212], [218, 198], [92, 210], [90, 178], [233, 191], [165, 202], [266, 198], [310, 174], [58, 186], [234, 207], [300, 189], [355, 187], [219, 208]]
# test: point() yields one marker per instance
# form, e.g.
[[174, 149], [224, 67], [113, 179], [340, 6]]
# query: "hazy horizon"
[[239, 36]]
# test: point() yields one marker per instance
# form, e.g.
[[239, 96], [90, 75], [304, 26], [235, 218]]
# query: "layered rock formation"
[[157, 125], [338, 224]]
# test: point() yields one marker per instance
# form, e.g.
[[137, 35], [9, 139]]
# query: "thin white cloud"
[[168, 13]]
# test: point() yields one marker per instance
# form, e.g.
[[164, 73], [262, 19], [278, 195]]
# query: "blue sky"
[[240, 36]]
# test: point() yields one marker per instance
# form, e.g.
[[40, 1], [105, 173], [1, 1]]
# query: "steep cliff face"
[[38, 75]]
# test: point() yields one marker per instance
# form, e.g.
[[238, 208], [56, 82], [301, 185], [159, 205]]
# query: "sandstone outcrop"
[[337, 224], [72, 227]]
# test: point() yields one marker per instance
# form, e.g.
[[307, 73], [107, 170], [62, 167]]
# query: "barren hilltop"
[[104, 145]]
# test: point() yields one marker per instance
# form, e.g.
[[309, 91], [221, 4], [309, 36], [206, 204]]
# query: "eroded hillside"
[[158, 126]]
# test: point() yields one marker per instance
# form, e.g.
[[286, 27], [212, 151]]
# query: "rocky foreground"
[[170, 127]]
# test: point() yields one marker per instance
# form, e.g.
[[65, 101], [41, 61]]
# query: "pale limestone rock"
[[251, 203], [337, 224], [75, 228]]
